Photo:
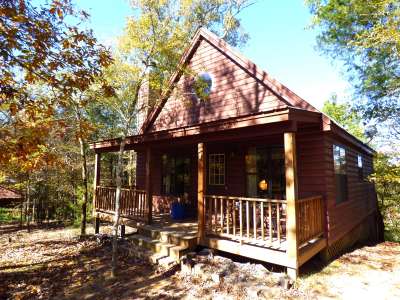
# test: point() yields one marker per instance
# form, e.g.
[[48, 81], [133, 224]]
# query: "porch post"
[[291, 197], [149, 188], [96, 182], [201, 187]]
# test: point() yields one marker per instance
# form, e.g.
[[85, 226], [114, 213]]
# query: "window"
[[265, 172], [339, 160], [216, 169], [202, 86], [175, 175], [360, 167]]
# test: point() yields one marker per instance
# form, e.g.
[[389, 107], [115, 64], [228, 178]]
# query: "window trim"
[[360, 169], [210, 175], [342, 171]]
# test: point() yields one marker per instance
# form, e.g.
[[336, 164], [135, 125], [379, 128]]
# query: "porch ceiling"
[[266, 123]]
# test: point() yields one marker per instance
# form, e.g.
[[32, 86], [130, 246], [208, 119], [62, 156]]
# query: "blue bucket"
[[177, 211]]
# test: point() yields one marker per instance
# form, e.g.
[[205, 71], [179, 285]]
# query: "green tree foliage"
[[346, 117], [387, 182], [365, 35], [41, 45], [46, 63], [386, 175]]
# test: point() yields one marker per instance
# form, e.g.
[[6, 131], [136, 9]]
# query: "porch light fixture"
[[263, 185]]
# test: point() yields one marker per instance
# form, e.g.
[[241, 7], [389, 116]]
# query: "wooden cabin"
[[9, 198], [264, 173]]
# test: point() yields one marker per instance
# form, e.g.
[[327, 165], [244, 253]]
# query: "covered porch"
[[241, 213]]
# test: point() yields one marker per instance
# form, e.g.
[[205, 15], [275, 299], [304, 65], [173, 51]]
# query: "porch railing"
[[262, 221], [309, 219], [133, 202], [249, 220]]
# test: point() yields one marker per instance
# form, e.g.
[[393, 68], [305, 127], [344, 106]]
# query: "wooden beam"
[[255, 252], [149, 188], [201, 186], [311, 249], [96, 180], [274, 116], [291, 197]]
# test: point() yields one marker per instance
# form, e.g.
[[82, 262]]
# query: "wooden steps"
[[166, 245]]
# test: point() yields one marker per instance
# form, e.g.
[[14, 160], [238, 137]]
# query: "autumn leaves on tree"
[[59, 87], [46, 61]]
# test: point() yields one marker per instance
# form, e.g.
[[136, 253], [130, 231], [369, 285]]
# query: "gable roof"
[[282, 92], [288, 97], [6, 193]]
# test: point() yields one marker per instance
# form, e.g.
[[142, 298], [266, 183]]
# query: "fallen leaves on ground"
[[52, 262], [369, 272]]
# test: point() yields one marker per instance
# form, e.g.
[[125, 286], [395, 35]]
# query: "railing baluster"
[[278, 222], [241, 220], [145, 206], [107, 204], [222, 215], [262, 221], [131, 202], [140, 212], [254, 220], [270, 221], [215, 215], [227, 215], [135, 208], [247, 219], [209, 213], [134, 202], [234, 217]]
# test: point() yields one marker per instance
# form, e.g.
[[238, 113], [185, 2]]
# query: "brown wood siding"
[[235, 93], [343, 217], [234, 170], [311, 168]]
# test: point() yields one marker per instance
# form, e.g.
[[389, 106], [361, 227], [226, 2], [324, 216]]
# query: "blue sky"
[[279, 43]]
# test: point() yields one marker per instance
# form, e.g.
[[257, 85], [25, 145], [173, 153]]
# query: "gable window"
[[202, 85], [339, 160], [360, 167], [216, 169]]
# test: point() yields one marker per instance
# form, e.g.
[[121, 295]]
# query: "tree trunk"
[[117, 205], [21, 211], [85, 186], [119, 182], [33, 210], [27, 208], [131, 172]]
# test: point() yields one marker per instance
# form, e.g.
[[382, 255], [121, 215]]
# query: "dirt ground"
[[53, 263]]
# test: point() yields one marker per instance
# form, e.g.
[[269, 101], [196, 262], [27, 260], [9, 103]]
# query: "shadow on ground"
[[80, 269]]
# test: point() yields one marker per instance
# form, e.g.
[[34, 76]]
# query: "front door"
[[265, 172], [176, 175]]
